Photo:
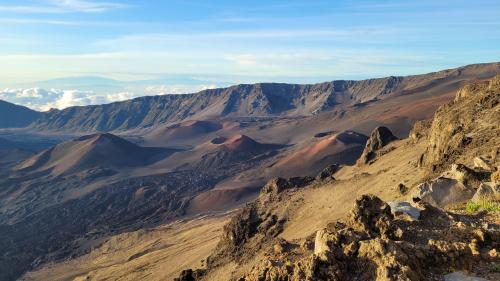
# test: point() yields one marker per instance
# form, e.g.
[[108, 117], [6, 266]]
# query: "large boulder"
[[466, 175], [487, 190], [277, 185], [372, 216], [379, 137], [190, 275], [442, 192]]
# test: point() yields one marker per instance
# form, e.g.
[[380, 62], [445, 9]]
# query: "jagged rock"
[[241, 227], [495, 177], [276, 185], [190, 275], [404, 208], [480, 162], [486, 191], [391, 261], [494, 82], [281, 246], [372, 216], [321, 248], [442, 192], [420, 130], [461, 130], [362, 248], [379, 138], [471, 89], [402, 188], [328, 172], [466, 175]]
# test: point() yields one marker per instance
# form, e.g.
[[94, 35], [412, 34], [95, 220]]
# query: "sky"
[[186, 45]]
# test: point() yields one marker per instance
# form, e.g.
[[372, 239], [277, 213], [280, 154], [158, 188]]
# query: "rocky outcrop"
[[420, 130], [455, 186], [373, 245], [255, 225], [471, 89], [442, 192], [372, 216], [487, 191], [466, 128], [277, 185], [462, 276], [379, 137], [328, 172], [190, 275]]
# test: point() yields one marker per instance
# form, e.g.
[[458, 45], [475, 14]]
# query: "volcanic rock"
[[487, 190], [463, 129], [380, 137], [442, 192], [480, 162], [328, 172]]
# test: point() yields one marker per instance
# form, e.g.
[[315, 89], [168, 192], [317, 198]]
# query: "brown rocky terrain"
[[176, 159], [413, 240]]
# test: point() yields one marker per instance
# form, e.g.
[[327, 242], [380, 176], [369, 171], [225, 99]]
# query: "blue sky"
[[242, 41]]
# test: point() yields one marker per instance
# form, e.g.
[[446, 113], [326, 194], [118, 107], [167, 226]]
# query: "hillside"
[[92, 151], [256, 100], [16, 116]]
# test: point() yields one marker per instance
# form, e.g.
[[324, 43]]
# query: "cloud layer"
[[44, 99]]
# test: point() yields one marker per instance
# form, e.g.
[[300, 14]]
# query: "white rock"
[[321, 248], [404, 208]]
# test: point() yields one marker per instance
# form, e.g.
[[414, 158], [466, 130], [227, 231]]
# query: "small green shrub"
[[472, 207], [485, 204]]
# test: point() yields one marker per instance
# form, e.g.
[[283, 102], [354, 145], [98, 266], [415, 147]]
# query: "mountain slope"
[[309, 231], [256, 100], [16, 116]]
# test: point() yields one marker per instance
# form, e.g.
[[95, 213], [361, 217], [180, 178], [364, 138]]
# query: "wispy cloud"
[[63, 6], [86, 6]]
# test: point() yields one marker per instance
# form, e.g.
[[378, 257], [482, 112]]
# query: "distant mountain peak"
[[16, 116]]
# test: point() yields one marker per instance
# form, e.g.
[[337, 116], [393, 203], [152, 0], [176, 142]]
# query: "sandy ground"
[[154, 254], [328, 203]]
